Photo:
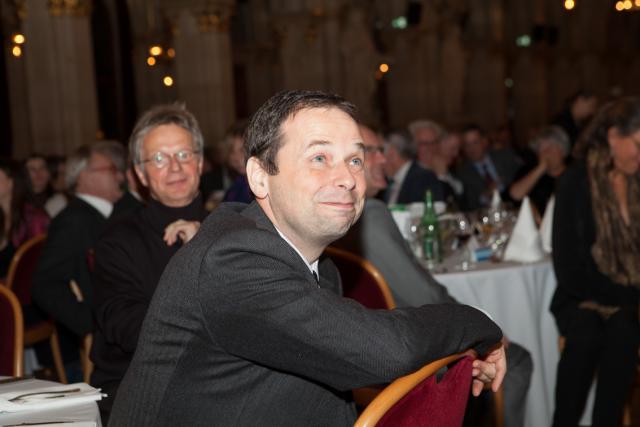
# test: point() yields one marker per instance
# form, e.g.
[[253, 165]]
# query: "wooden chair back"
[[11, 334], [22, 266], [361, 281], [422, 399]]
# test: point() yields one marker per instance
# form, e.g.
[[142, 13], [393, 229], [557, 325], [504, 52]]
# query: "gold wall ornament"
[[70, 7], [215, 21]]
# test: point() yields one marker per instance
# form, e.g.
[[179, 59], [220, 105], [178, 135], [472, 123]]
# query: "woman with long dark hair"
[[19, 220], [596, 257]]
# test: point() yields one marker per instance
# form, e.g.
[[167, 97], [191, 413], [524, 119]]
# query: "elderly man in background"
[[409, 180], [61, 281], [166, 147], [376, 238], [539, 181], [248, 326]]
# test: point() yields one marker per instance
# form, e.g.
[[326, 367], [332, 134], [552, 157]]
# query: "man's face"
[[374, 161], [318, 192], [474, 145], [100, 178], [175, 184], [39, 175], [426, 140]]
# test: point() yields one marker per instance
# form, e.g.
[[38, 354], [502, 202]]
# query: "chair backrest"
[[22, 266], [361, 281], [420, 399], [11, 334]]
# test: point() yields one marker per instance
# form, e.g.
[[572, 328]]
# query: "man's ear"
[[141, 176], [258, 178]]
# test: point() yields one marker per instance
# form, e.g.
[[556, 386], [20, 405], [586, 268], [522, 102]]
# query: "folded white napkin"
[[547, 225], [48, 397], [524, 243]]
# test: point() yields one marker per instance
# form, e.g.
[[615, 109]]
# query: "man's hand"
[[490, 370], [182, 229]]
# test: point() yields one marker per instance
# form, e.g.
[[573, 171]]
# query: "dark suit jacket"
[[507, 164], [416, 183], [239, 333], [64, 257]]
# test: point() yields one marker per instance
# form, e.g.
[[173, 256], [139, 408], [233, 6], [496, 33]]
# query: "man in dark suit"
[[247, 325], [61, 281], [409, 180], [484, 170], [166, 146]]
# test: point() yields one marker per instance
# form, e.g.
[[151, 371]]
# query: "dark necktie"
[[488, 179], [315, 276]]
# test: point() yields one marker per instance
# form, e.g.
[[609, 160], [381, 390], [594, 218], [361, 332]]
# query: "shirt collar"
[[313, 267], [101, 205], [401, 174]]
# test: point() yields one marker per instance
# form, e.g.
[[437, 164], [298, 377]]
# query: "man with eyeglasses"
[[61, 281], [166, 150]]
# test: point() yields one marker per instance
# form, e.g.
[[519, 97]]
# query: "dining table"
[[74, 415], [517, 297]]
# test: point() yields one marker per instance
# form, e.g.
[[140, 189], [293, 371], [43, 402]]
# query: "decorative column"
[[56, 78], [203, 58]]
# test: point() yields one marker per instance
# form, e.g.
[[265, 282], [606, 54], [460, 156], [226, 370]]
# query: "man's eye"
[[320, 158], [357, 162], [158, 157]]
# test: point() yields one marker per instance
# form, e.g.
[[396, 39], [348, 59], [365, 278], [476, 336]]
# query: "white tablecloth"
[[517, 296], [85, 414]]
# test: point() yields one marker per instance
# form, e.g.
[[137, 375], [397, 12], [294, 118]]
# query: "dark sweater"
[[574, 232], [129, 260]]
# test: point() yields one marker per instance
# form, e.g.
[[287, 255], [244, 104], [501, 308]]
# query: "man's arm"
[[376, 238], [51, 290], [276, 316]]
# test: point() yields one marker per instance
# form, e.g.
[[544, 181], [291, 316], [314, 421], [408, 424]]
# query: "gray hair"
[[554, 134], [167, 114], [79, 160], [416, 125], [403, 143]]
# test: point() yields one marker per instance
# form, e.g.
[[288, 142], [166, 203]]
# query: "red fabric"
[[7, 336], [34, 221], [433, 404], [21, 285], [359, 285]]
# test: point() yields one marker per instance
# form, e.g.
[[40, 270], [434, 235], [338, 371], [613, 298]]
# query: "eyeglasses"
[[160, 159], [372, 149]]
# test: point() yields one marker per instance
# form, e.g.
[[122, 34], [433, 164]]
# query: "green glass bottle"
[[430, 233]]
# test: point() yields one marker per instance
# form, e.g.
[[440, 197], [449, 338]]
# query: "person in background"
[[61, 280], [538, 181], [409, 180], [166, 147], [376, 238], [19, 220], [59, 198], [426, 135], [579, 109], [38, 178], [484, 170], [223, 174], [596, 258]]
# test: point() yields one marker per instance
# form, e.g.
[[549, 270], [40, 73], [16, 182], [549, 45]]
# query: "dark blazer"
[[416, 183], [64, 257], [507, 164], [239, 333]]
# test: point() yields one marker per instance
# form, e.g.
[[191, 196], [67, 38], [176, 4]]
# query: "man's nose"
[[344, 176]]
